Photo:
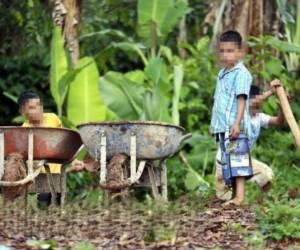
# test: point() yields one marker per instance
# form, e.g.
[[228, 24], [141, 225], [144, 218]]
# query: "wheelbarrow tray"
[[56, 145], [154, 140]]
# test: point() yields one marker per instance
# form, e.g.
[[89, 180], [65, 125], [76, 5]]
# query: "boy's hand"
[[76, 166], [234, 131], [275, 84]]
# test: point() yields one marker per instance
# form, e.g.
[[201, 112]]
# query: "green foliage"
[[122, 96], [280, 221], [84, 103], [278, 218], [291, 18], [84, 246], [156, 19], [58, 69], [42, 244], [178, 79], [25, 28]]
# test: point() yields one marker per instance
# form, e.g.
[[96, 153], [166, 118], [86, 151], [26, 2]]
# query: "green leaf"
[[63, 86], [193, 180], [156, 70], [283, 46], [137, 76], [66, 123], [156, 19], [274, 67], [59, 64], [166, 52], [84, 245], [156, 106], [84, 102], [10, 96], [173, 16], [178, 79], [110, 32], [122, 96], [132, 47]]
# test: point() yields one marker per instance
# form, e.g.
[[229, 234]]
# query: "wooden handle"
[[288, 114]]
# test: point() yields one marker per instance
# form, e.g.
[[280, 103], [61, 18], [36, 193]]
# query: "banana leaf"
[[84, 103], [122, 96], [156, 18], [59, 65]]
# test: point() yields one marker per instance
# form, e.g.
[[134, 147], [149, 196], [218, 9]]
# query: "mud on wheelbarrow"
[[39, 146], [147, 143]]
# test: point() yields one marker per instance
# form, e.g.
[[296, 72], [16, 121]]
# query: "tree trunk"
[[182, 38], [249, 17], [70, 28], [66, 14]]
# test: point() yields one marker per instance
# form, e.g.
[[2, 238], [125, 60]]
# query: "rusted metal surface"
[[56, 145], [153, 140]]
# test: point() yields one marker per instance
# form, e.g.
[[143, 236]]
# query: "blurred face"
[[229, 53], [255, 105], [32, 109]]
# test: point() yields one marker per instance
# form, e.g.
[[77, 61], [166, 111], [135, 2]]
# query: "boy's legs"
[[262, 174], [42, 190], [222, 191], [44, 199], [239, 190]]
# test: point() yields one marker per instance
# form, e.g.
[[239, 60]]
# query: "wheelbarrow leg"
[[51, 184], [132, 157], [63, 185], [103, 170], [164, 181], [1, 154], [152, 178], [29, 166]]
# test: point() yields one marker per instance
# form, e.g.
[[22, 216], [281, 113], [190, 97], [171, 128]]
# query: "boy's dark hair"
[[25, 96], [231, 36], [254, 91]]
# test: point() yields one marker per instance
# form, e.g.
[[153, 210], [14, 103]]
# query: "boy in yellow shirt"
[[31, 107]]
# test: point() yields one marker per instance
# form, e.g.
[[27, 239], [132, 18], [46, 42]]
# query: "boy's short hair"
[[25, 96], [231, 36], [254, 91]]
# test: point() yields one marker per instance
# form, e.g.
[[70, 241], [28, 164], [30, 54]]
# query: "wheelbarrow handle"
[[185, 137]]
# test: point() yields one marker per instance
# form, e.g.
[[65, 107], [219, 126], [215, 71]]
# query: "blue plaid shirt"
[[230, 84]]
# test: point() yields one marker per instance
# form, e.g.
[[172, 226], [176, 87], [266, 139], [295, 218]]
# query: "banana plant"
[[142, 95], [83, 101], [292, 32], [78, 85], [156, 19], [153, 96], [59, 69]]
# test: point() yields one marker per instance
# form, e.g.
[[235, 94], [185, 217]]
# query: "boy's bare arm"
[[277, 120], [266, 95], [235, 130], [273, 85]]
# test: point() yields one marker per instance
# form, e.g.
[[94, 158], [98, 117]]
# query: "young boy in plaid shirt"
[[230, 113]]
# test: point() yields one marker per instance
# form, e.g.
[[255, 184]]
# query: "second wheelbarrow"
[[145, 142]]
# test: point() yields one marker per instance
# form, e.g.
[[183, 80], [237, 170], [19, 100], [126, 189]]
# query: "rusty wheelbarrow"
[[147, 142], [45, 145]]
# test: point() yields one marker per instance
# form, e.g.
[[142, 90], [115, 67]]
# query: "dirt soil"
[[175, 226]]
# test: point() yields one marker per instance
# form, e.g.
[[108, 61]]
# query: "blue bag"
[[236, 158]]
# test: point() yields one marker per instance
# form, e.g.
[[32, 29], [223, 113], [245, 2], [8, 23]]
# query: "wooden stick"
[[288, 114]]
